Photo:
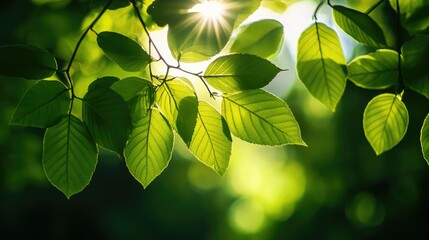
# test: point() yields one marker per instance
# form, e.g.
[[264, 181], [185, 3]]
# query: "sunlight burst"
[[211, 10]]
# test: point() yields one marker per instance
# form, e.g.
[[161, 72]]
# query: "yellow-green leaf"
[[424, 139]]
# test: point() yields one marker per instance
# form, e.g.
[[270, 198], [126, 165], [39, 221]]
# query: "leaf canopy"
[[149, 148], [69, 155], [108, 118], [321, 64], [258, 117], [385, 122], [261, 38], [179, 105], [42, 105], [359, 26], [211, 142], [237, 72], [125, 52], [27, 62], [375, 70]]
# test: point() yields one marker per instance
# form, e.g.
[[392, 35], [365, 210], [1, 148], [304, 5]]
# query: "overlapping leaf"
[[321, 64], [179, 104], [359, 26], [104, 82], [415, 68], [424, 139], [375, 70], [69, 155], [26, 62], [237, 72], [211, 142], [262, 38], [385, 122], [138, 93], [108, 118], [42, 105], [148, 150], [127, 53], [259, 117]]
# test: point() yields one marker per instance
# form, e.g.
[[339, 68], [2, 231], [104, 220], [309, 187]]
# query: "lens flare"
[[210, 10]]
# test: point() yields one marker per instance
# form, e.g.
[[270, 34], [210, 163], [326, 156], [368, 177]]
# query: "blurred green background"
[[334, 189]]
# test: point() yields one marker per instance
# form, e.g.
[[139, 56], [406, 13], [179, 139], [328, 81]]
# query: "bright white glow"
[[209, 9]]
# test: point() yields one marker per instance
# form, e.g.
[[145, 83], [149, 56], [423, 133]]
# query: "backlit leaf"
[[262, 38], [359, 26], [321, 64], [237, 72], [259, 117], [385, 122], [424, 139], [108, 118], [415, 67], [211, 142], [375, 70], [104, 82], [42, 105], [148, 150], [26, 62], [69, 155], [179, 104], [125, 52]]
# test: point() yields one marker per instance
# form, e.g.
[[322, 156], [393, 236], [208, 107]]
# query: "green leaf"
[[237, 72], [279, 6], [359, 26], [69, 155], [259, 117], [385, 122], [115, 4], [127, 53], [108, 118], [149, 148], [262, 38], [42, 105], [211, 142], [321, 64], [26, 62], [245, 9], [104, 82], [414, 67], [139, 93], [179, 104], [375, 70], [424, 139], [414, 15]]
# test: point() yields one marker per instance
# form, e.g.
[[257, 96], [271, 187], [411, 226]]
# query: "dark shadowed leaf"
[[259, 117], [104, 82], [69, 155], [211, 142], [321, 64], [237, 72], [26, 62], [385, 122], [127, 53], [149, 148], [42, 105], [359, 26]]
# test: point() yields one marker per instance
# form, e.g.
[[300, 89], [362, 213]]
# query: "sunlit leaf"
[[359, 26], [259, 117], [242, 9], [179, 104], [237, 72], [385, 122], [138, 93], [127, 53], [26, 62], [148, 150], [104, 82], [211, 142], [321, 64], [262, 38], [69, 155], [375, 70], [415, 68], [277, 5], [108, 118], [42, 105], [424, 139], [115, 4]]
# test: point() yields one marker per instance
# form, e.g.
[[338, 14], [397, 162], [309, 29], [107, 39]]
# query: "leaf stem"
[[373, 7], [317, 9]]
